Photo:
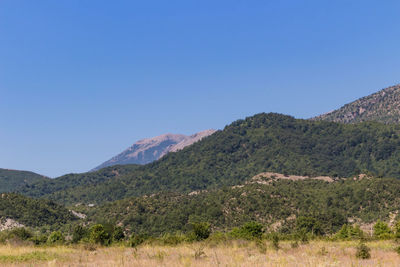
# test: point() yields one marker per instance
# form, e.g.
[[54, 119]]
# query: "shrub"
[[275, 241], [78, 233], [39, 239], [294, 244], [397, 249], [309, 225], [201, 230], [21, 233], [348, 232], [250, 230], [56, 238], [363, 252], [172, 239], [98, 235], [136, 240], [382, 230], [118, 234], [397, 230]]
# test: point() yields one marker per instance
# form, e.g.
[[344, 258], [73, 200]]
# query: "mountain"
[[383, 106], [151, 149], [12, 179], [261, 143]]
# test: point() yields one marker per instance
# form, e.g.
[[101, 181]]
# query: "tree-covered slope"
[[264, 142], [33, 212], [276, 203], [12, 179], [383, 106]]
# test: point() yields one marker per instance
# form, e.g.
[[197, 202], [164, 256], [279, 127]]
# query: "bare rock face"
[[382, 106], [7, 224], [151, 149]]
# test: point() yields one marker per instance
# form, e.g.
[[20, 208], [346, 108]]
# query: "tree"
[[118, 234], [56, 238], [78, 233], [382, 230], [98, 235], [201, 230]]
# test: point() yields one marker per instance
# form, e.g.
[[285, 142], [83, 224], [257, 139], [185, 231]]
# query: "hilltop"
[[382, 106], [10, 180]]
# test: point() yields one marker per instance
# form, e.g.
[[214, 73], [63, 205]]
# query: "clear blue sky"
[[82, 80]]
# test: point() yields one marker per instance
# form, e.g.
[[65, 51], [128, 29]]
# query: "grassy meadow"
[[232, 253]]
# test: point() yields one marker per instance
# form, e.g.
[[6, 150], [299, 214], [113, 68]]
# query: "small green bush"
[[39, 239], [98, 235], [363, 252], [56, 238], [249, 231], [20, 233], [118, 234], [78, 233], [136, 240], [382, 230], [294, 244], [275, 241], [201, 230]]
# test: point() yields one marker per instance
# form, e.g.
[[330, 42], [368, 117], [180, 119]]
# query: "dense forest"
[[264, 142], [276, 205], [10, 180], [33, 212]]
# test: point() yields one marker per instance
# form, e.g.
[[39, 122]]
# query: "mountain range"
[[247, 171], [151, 149]]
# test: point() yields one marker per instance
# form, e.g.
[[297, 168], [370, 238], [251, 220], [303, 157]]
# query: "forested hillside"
[[33, 212], [12, 179], [264, 142], [275, 203]]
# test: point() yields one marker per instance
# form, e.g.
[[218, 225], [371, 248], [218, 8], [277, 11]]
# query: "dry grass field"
[[236, 253]]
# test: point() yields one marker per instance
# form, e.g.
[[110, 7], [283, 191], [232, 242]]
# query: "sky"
[[80, 81]]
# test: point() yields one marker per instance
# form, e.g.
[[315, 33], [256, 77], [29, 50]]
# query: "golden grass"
[[236, 253]]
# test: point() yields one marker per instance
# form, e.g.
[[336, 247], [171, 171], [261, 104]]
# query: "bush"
[[172, 239], [20, 233], [382, 230], [98, 235], [309, 225], [201, 230], [118, 234], [250, 230], [78, 233], [136, 240], [397, 230], [363, 252], [348, 232], [275, 241], [397, 249], [39, 239], [56, 238]]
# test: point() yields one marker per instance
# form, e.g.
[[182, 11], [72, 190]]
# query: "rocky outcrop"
[[150, 149]]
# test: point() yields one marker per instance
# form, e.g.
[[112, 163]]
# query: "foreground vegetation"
[[229, 253]]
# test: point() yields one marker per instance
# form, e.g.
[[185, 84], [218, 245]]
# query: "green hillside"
[[383, 106], [264, 142], [10, 180], [276, 204], [33, 212]]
